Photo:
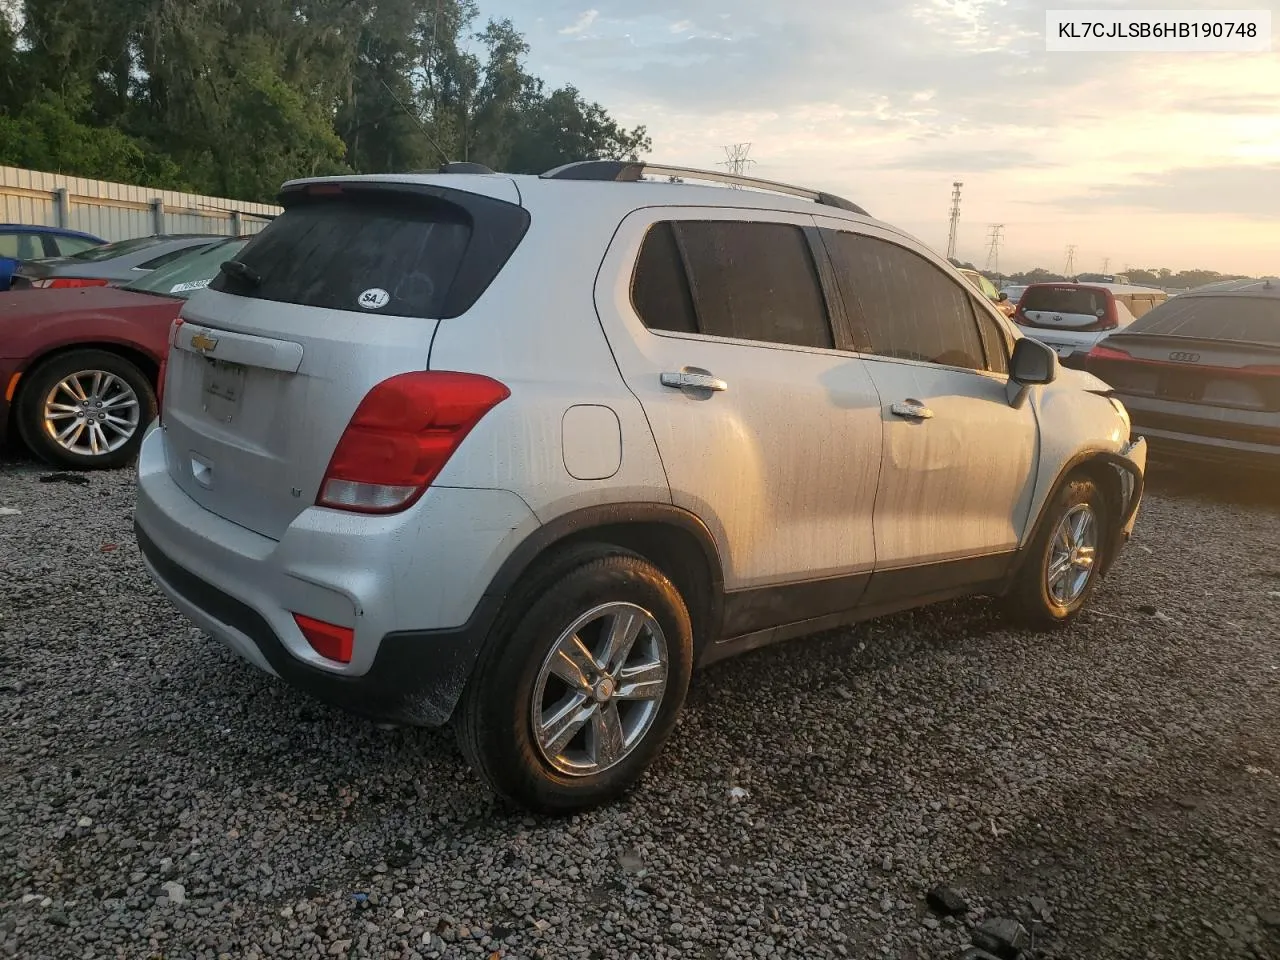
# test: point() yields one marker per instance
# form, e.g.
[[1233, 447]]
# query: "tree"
[[232, 97]]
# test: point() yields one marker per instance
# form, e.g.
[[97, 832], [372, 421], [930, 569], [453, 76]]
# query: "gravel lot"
[[1116, 788]]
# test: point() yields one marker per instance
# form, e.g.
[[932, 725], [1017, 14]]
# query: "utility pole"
[[1071, 261], [955, 219], [993, 251], [736, 158]]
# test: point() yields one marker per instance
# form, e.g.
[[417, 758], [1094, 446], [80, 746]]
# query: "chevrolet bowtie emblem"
[[203, 342]]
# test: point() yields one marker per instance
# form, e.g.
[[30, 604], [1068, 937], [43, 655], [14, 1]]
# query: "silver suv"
[[519, 452]]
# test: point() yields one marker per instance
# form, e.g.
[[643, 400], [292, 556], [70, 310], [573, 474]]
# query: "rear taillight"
[[164, 368], [327, 639], [1110, 320], [1101, 352], [401, 436], [54, 283]]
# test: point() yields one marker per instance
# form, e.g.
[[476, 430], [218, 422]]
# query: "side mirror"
[[1032, 362], [1003, 296]]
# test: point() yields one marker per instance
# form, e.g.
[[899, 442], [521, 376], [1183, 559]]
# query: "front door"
[[959, 459]]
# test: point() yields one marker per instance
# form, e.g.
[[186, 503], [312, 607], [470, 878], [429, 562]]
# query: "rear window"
[[405, 253], [109, 251], [1247, 319], [1078, 300]]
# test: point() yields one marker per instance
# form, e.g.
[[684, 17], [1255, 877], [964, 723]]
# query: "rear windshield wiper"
[[241, 271]]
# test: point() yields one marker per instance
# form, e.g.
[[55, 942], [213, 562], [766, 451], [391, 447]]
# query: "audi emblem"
[[1182, 357]]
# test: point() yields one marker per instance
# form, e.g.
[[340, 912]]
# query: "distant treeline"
[[233, 97]]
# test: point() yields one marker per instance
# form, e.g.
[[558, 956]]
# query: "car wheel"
[[86, 409], [579, 688], [1061, 568]]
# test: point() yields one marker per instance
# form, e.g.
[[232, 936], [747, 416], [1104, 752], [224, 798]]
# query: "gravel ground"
[[1116, 788]]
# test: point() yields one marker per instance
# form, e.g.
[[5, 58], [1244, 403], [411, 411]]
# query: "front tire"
[[86, 409], [1060, 571], [579, 688]]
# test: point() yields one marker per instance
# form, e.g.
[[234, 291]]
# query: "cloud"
[[585, 20], [1244, 192], [1237, 104], [962, 161]]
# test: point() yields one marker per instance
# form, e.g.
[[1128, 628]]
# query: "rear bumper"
[[1186, 447], [414, 589]]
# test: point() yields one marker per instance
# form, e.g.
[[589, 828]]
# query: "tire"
[[120, 427], [495, 719], [1031, 600]]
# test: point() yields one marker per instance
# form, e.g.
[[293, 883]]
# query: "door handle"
[[691, 379], [911, 410]]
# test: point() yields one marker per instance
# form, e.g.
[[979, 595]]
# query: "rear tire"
[[1060, 571], [558, 726], [118, 403]]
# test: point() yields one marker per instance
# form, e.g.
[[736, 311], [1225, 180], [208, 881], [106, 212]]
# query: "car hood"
[[35, 305]]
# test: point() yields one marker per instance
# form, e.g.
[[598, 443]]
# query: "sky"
[[1143, 160]]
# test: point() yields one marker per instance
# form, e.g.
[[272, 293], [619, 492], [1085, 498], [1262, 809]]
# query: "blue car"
[[24, 242]]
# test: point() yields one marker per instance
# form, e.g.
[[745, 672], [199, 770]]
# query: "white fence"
[[117, 211]]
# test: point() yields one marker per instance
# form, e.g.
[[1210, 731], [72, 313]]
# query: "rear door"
[[341, 291], [779, 454]]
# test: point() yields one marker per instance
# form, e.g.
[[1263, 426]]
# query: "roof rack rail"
[[625, 171]]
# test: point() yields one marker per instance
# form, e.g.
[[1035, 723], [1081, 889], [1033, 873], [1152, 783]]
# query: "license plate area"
[[222, 388], [1179, 386]]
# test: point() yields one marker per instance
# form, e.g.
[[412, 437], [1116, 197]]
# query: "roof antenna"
[[418, 120]]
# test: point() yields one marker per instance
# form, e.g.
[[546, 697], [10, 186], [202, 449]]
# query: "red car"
[[79, 367]]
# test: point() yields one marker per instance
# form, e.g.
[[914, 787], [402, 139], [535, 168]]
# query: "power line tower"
[[955, 219], [994, 234], [1070, 268], [1106, 263], [736, 158]]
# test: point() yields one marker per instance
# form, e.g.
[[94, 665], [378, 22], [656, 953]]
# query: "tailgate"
[[253, 410], [340, 292]]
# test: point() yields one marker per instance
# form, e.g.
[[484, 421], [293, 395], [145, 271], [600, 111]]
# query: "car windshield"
[[116, 249], [190, 272], [1078, 300]]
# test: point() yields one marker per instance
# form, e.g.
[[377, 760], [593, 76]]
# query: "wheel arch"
[[1104, 468], [674, 540]]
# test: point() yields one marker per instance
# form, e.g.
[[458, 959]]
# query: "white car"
[[517, 453], [1014, 293], [1073, 317]]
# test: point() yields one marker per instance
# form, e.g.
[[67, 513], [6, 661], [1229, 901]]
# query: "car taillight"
[[401, 436], [1109, 320], [61, 282], [164, 368], [1101, 352]]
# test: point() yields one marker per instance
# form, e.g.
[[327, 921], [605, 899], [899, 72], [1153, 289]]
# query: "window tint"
[[68, 246], [1084, 301], [387, 255], [911, 309], [1242, 318], [748, 281], [997, 342], [659, 289], [118, 248], [191, 270], [166, 258]]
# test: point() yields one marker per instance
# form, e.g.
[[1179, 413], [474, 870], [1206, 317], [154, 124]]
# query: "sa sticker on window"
[[375, 298]]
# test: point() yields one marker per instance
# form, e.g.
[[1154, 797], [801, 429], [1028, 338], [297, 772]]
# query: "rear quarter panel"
[[145, 330], [536, 330]]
